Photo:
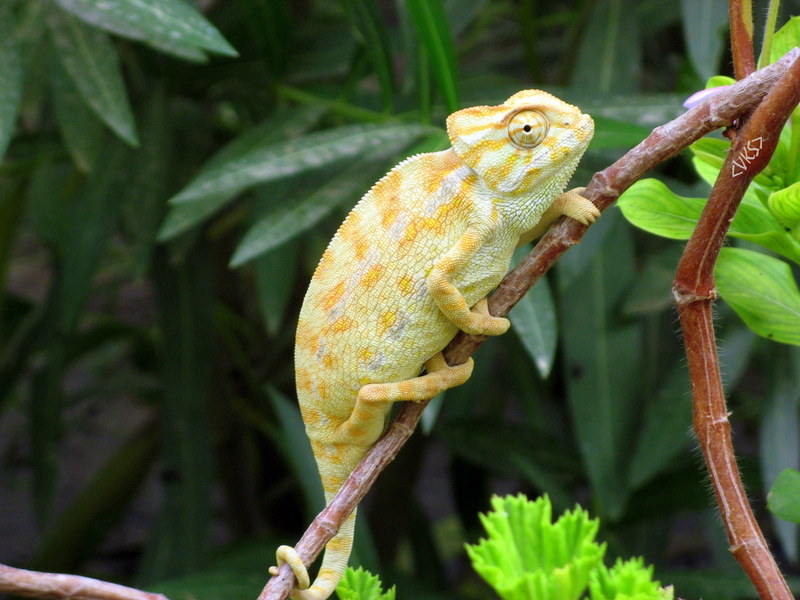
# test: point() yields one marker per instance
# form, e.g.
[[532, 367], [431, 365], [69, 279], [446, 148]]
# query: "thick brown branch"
[[694, 293], [664, 142], [56, 585]]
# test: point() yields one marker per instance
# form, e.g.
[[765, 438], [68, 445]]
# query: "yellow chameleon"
[[410, 266]]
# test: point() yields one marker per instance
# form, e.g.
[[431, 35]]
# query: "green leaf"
[[290, 219], [185, 296], [84, 523], [652, 206], [91, 61], [364, 15], [762, 291], [612, 133], [358, 584], [275, 276], [296, 449], [10, 77], [173, 26], [610, 53], [703, 26], [82, 133], [786, 38], [285, 159], [784, 497], [430, 22], [627, 580], [84, 230], [534, 321], [526, 555], [779, 437], [603, 393], [250, 144]]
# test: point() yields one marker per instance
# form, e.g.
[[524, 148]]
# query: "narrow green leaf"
[[610, 53], [275, 276], [296, 449], [430, 22], [82, 132], [762, 291], [602, 392], [363, 14], [779, 437], [611, 133], [84, 233], [703, 26], [242, 149], [86, 521], [170, 25], [784, 497], [292, 218], [664, 430], [534, 321], [91, 61], [185, 295], [10, 77], [285, 159]]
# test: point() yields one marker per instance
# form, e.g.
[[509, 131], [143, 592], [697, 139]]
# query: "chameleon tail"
[[335, 462], [334, 563]]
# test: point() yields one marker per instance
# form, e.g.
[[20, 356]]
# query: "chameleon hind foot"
[[288, 555], [439, 377]]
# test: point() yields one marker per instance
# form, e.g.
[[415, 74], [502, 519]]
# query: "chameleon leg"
[[571, 204], [439, 377], [447, 297]]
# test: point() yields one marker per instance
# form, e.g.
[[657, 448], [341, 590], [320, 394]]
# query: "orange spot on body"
[[405, 284], [340, 325], [387, 320], [389, 215], [372, 276], [330, 299]]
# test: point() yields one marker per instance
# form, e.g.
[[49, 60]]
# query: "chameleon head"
[[531, 142]]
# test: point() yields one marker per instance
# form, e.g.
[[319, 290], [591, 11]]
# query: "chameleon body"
[[410, 266]]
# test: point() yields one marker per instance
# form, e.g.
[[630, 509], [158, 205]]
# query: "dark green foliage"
[[168, 184]]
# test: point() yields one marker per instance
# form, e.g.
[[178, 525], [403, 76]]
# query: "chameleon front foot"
[[575, 206]]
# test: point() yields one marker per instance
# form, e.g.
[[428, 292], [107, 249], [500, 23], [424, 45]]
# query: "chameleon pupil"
[[527, 128]]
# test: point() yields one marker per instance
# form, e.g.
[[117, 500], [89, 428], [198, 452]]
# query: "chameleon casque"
[[410, 266]]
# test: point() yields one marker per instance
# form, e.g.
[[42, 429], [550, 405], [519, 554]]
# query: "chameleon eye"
[[528, 128]]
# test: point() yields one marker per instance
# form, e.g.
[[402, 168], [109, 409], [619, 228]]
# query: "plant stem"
[[694, 292], [741, 18], [664, 142], [55, 585]]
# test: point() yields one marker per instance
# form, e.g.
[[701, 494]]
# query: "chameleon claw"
[[482, 323]]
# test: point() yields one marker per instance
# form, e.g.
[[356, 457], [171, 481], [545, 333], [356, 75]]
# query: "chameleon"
[[409, 267]]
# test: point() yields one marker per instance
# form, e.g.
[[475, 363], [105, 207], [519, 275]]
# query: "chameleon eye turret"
[[528, 128]]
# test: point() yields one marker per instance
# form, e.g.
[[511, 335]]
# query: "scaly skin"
[[410, 266]]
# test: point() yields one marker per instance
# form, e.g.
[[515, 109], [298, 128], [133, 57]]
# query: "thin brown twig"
[[695, 292], [740, 13], [664, 142], [60, 586]]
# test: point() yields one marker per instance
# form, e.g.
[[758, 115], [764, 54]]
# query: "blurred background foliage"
[[171, 177]]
